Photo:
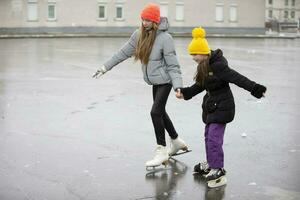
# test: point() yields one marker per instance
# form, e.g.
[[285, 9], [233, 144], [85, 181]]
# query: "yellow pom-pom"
[[198, 33]]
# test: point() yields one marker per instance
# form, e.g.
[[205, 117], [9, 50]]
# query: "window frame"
[[286, 14], [29, 4], [236, 13], [293, 2], [293, 14], [105, 11], [286, 2], [222, 16], [270, 14], [118, 6], [55, 11], [179, 5]]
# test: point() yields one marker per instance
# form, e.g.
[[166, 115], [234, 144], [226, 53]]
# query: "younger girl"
[[214, 75]]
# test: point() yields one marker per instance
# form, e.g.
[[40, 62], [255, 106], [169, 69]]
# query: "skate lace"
[[212, 172], [204, 165], [158, 150]]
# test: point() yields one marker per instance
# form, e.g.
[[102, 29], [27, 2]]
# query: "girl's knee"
[[156, 112]]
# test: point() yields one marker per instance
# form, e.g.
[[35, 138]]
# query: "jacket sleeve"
[[190, 92], [230, 75], [126, 51], [170, 58]]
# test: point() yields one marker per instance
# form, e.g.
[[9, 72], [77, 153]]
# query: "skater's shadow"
[[165, 180], [210, 193]]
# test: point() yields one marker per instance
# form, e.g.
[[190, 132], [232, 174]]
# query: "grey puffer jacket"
[[162, 67]]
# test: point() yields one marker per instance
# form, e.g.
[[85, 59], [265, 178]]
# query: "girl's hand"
[[99, 72], [258, 91], [179, 95]]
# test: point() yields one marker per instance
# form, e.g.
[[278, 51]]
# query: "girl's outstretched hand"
[[99, 72], [178, 94], [258, 91]]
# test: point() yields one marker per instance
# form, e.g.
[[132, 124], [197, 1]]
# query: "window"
[[219, 13], [233, 13], [270, 15], [179, 11], [119, 12], [101, 11], [32, 10], [51, 11], [286, 2], [293, 2], [286, 14], [270, 2], [164, 9], [293, 14]]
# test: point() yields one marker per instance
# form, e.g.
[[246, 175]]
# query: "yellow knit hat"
[[199, 44]]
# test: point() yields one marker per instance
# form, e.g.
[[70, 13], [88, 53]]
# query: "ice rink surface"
[[65, 136]]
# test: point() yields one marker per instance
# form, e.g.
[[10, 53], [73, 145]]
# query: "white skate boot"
[[176, 145], [161, 157]]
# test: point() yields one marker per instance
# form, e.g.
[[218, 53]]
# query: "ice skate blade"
[[154, 171], [217, 183], [181, 152], [154, 167], [202, 175]]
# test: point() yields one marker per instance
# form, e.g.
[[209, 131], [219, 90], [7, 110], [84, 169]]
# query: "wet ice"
[[67, 136]]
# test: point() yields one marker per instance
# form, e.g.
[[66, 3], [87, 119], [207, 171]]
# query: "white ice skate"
[[177, 145], [161, 158]]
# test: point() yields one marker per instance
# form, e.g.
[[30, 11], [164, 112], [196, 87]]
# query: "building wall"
[[84, 13], [278, 8]]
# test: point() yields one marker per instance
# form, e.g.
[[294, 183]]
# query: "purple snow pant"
[[214, 134]]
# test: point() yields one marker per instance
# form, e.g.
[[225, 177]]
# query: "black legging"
[[160, 118]]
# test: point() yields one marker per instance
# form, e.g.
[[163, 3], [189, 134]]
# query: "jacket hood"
[[216, 55], [163, 24]]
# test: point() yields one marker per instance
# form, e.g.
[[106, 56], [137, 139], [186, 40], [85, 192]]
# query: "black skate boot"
[[202, 168], [216, 178]]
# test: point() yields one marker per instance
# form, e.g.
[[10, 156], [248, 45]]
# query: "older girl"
[[153, 46]]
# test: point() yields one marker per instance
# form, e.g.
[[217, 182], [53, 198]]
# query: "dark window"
[[293, 2], [286, 14], [270, 13], [101, 11], [293, 14], [119, 13]]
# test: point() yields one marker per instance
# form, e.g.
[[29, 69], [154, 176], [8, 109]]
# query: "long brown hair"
[[145, 44], [203, 69]]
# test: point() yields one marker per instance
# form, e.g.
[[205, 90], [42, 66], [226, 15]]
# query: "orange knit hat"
[[151, 12]]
